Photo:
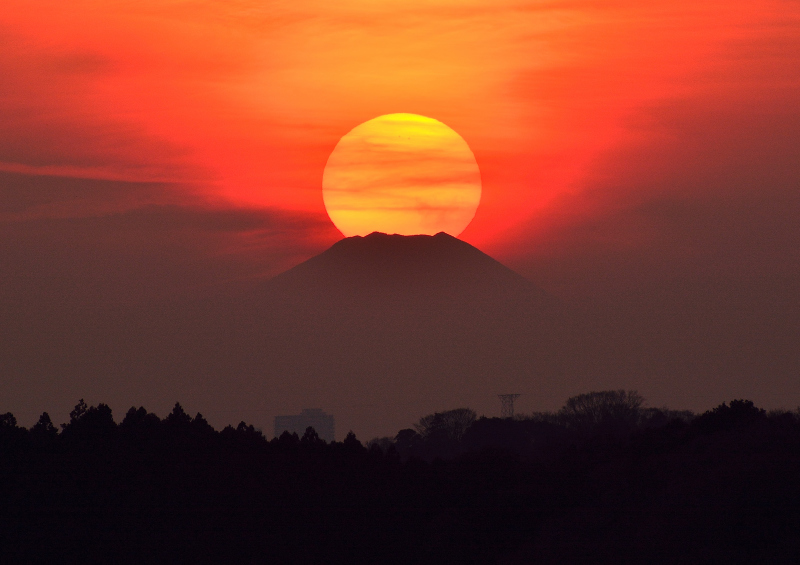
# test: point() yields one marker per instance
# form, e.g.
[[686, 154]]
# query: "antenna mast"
[[507, 401]]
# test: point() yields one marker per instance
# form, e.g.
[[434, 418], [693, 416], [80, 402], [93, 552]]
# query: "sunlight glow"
[[404, 174]]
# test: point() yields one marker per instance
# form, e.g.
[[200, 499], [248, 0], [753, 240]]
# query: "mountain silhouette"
[[413, 271], [381, 327]]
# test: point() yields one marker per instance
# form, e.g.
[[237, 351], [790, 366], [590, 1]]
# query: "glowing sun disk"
[[404, 174]]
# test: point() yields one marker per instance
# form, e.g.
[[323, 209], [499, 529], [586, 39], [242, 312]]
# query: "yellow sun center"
[[401, 173]]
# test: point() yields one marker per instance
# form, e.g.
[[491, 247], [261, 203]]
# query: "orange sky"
[[640, 158], [244, 101]]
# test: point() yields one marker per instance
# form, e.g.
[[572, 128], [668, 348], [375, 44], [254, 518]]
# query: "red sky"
[[647, 152]]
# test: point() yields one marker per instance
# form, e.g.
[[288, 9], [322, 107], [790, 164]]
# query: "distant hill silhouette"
[[404, 269], [380, 326]]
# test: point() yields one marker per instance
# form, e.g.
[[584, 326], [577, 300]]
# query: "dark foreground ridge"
[[604, 480]]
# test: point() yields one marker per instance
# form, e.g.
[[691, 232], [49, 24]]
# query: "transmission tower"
[[507, 401]]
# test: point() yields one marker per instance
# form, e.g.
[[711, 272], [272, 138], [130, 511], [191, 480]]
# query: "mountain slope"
[[403, 269], [380, 330]]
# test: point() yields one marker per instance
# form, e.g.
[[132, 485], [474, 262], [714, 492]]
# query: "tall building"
[[322, 423]]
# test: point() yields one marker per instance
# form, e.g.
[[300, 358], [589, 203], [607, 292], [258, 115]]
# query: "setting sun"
[[401, 173]]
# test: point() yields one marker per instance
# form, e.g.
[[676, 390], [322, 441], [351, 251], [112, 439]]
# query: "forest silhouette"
[[603, 480]]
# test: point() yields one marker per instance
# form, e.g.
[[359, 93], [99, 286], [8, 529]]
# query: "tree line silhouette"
[[603, 480]]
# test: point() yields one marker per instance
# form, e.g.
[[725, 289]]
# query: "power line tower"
[[507, 401]]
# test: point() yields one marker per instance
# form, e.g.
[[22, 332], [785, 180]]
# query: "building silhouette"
[[322, 423]]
